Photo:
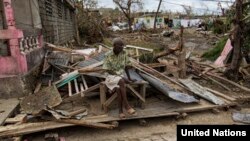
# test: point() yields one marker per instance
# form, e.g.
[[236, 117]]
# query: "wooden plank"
[[84, 82], [135, 92], [70, 89], [228, 81], [38, 87], [137, 54], [141, 48], [87, 123], [82, 89], [111, 99], [76, 86], [103, 96], [17, 119], [7, 106], [78, 95]]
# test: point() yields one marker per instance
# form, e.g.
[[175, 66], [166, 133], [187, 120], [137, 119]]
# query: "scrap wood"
[[20, 118], [86, 123], [140, 48], [201, 91], [205, 76], [59, 48], [28, 128], [78, 95], [228, 81], [87, 70]]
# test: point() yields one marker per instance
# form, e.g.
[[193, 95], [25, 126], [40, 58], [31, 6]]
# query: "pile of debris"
[[72, 77]]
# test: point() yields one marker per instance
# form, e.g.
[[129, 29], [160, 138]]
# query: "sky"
[[198, 6]]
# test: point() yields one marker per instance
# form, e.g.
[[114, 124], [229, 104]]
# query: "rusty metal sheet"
[[166, 90]]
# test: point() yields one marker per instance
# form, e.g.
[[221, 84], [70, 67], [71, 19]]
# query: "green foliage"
[[147, 58], [214, 53]]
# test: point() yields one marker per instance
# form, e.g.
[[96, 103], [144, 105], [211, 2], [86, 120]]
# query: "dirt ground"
[[157, 129]]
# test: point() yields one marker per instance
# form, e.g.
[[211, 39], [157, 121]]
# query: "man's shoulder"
[[108, 53]]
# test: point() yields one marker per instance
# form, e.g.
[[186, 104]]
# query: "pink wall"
[[15, 63]]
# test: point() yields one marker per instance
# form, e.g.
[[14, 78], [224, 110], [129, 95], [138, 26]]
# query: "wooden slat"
[[111, 99], [76, 86], [78, 95], [84, 82], [135, 92], [17, 119]]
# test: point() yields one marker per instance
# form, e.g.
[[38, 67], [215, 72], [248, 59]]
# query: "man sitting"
[[115, 62]]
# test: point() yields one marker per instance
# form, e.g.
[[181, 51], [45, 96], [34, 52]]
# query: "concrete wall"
[[58, 21]]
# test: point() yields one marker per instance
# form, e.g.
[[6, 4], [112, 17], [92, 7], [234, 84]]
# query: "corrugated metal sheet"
[[166, 90]]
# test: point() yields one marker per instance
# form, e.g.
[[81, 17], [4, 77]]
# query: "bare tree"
[[188, 10], [156, 15], [126, 7]]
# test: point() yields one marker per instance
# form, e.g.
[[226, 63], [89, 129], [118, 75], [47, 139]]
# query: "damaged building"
[[25, 26]]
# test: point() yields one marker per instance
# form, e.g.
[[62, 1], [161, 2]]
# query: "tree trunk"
[[233, 72], [156, 15]]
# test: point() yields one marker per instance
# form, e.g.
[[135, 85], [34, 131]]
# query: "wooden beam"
[[135, 92], [86, 124]]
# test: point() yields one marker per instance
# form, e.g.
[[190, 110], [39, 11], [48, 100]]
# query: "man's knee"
[[122, 83]]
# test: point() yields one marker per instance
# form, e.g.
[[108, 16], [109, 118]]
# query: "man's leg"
[[119, 96], [123, 94]]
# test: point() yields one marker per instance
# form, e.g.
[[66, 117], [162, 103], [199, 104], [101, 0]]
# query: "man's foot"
[[131, 111], [122, 115]]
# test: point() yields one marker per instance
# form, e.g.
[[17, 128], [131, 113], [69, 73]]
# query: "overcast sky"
[[198, 6]]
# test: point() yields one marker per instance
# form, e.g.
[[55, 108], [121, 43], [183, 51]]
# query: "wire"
[[191, 7]]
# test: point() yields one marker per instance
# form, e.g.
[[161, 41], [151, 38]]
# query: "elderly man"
[[116, 62]]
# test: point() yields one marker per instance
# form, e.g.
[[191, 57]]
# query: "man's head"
[[118, 46]]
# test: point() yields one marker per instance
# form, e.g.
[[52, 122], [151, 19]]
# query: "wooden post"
[[103, 96], [238, 41], [182, 56]]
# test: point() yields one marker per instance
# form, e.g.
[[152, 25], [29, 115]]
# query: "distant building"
[[148, 20]]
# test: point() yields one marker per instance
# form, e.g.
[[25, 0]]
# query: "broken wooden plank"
[[86, 123], [228, 81], [141, 48], [17, 119], [74, 113], [7, 106], [38, 87], [201, 91]]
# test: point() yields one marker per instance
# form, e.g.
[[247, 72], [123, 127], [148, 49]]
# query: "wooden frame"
[[141, 95]]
